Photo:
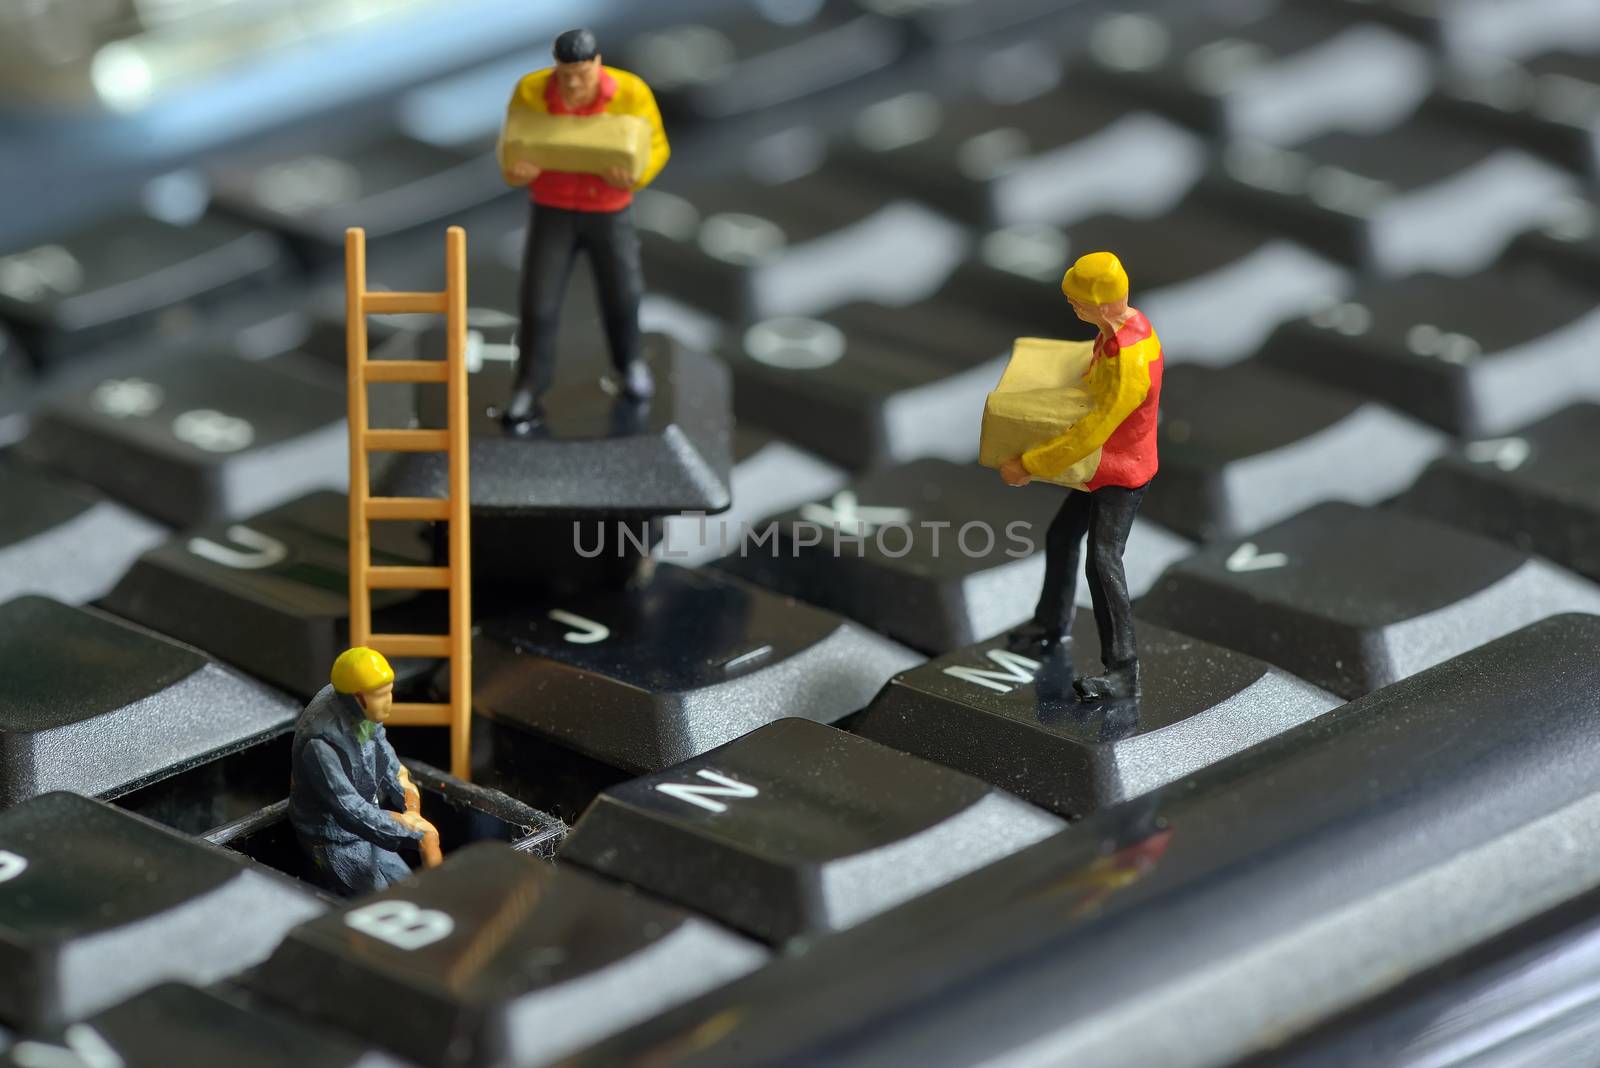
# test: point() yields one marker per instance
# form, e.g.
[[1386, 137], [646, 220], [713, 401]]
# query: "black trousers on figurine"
[[1106, 516], [555, 237]]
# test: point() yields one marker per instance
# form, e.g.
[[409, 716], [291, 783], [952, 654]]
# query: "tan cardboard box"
[[586, 144], [1039, 396]]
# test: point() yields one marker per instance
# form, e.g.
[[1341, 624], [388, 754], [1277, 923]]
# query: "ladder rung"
[[408, 578], [407, 714], [406, 440], [420, 645], [407, 508], [374, 303], [406, 371]]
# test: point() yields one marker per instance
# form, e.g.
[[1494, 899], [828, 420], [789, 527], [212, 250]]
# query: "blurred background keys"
[[934, 553], [497, 958], [175, 1024], [1550, 105], [799, 828], [64, 540], [1569, 240], [125, 705], [198, 437], [1445, 350], [1244, 446], [97, 903], [132, 277], [269, 594], [642, 678], [1016, 722], [1476, 28], [1537, 488], [1423, 196], [1352, 599]]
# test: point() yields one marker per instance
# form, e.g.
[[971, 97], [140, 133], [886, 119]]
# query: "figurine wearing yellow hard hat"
[[351, 802]]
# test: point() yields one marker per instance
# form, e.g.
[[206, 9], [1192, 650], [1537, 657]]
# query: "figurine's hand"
[[1014, 473], [524, 172], [411, 821], [618, 176]]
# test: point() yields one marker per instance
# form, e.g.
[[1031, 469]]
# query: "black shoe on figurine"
[[1035, 639], [522, 414], [637, 383], [1117, 684]]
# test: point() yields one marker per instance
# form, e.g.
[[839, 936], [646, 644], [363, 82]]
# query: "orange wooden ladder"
[[453, 508]]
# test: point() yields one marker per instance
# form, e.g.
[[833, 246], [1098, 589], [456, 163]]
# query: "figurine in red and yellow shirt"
[[1123, 384], [573, 212]]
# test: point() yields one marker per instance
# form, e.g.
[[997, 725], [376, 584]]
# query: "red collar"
[[602, 96], [1133, 330]]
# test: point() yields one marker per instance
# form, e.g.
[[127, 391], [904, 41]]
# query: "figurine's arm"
[[390, 789], [1129, 383], [659, 149], [323, 774], [527, 96]]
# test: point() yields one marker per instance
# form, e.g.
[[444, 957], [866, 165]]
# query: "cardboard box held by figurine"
[[1039, 396], [585, 144]]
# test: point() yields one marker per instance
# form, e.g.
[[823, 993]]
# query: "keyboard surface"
[[760, 780]]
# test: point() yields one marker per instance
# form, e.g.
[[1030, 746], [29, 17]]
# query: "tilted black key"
[[389, 186], [175, 1024], [498, 958], [97, 903], [1442, 348], [799, 828], [1015, 721], [269, 594], [1538, 488], [1245, 446], [1223, 914], [681, 664], [1353, 598], [746, 249], [862, 399], [64, 540], [129, 705], [1276, 74], [1551, 104], [1423, 196], [745, 61], [130, 277], [936, 554], [1000, 162], [198, 437]]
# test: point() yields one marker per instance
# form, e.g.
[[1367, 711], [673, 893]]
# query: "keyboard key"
[[1001, 162], [498, 958], [131, 705], [1569, 241], [1277, 74], [1016, 723], [1288, 884], [174, 1024], [129, 277], [1245, 446], [860, 399], [269, 594], [198, 437], [964, 23], [1477, 28], [96, 904], [678, 665], [391, 186], [1423, 196], [62, 540], [1444, 349], [935, 554], [1538, 489], [1353, 599], [830, 827], [1550, 105], [16, 390], [746, 61]]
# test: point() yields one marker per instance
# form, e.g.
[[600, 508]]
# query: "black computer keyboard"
[[801, 804]]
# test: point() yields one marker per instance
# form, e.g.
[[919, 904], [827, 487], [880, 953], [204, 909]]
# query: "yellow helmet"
[[1097, 278], [359, 670]]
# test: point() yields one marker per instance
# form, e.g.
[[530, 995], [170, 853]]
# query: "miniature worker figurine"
[[1123, 384], [576, 211], [344, 770]]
